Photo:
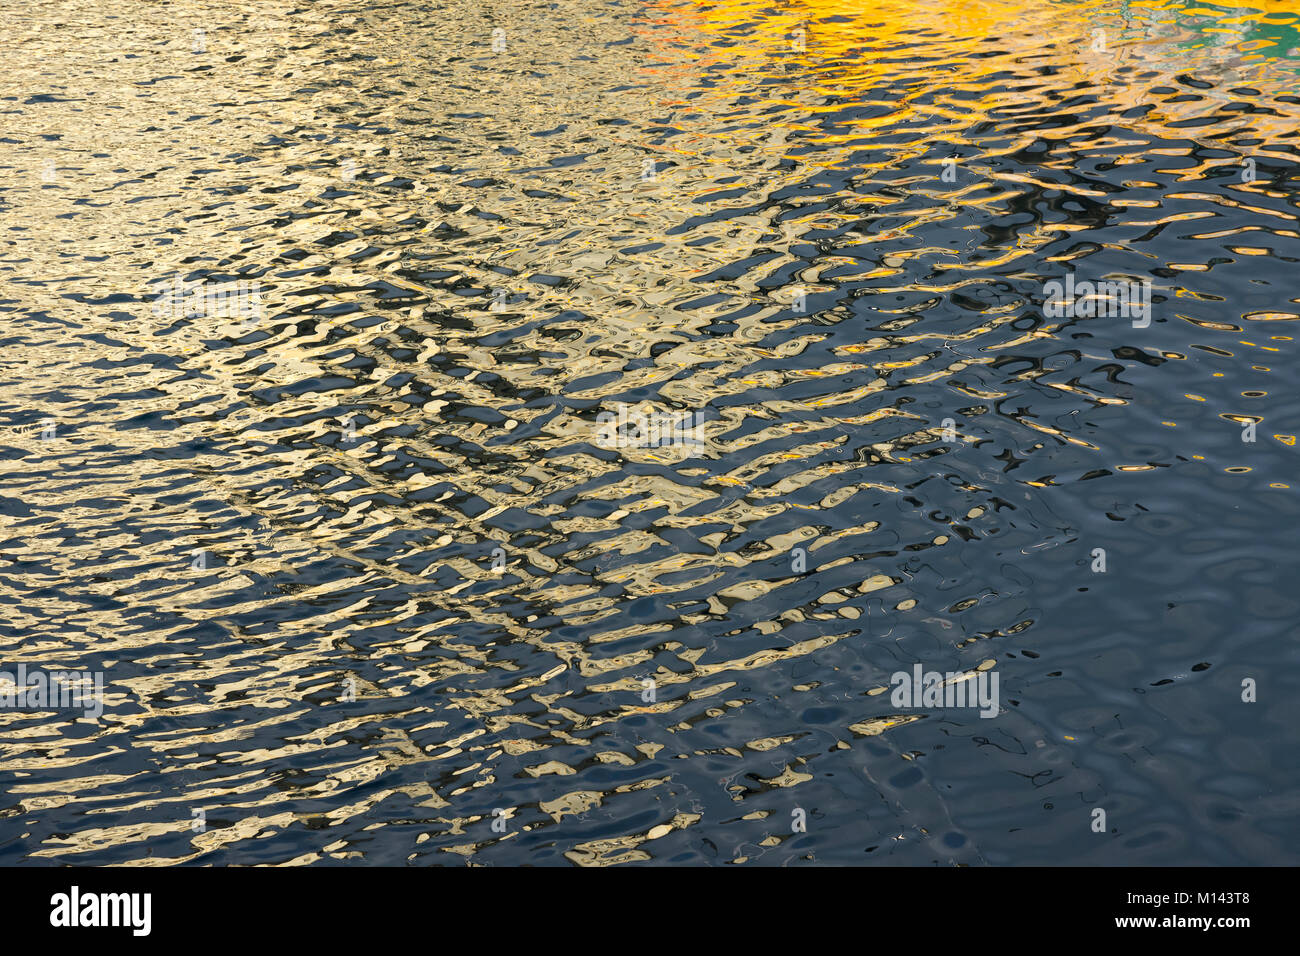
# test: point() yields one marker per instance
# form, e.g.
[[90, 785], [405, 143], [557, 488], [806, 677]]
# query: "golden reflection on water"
[[478, 690]]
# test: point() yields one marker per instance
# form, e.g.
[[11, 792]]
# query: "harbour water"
[[311, 312]]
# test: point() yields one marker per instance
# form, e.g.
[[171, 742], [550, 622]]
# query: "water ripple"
[[315, 317]]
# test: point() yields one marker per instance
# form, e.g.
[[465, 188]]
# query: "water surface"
[[474, 228]]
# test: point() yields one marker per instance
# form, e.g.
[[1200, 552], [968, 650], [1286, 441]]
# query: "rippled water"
[[472, 229]]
